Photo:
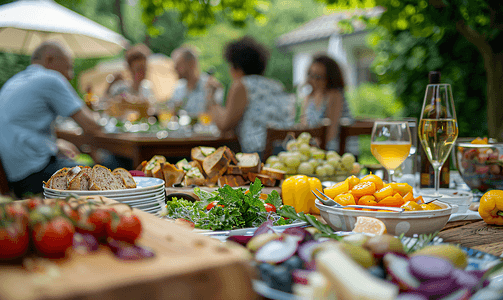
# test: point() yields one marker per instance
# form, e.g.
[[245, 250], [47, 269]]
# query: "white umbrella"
[[160, 73], [25, 24]]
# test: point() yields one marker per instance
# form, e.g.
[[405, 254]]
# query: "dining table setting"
[[305, 223]]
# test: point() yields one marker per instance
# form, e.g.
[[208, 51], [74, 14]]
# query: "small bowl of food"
[[480, 163]]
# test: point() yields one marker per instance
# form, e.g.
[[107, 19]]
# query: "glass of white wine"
[[438, 127], [390, 144]]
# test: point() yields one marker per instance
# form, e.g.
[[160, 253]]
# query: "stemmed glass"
[[438, 127], [390, 144]]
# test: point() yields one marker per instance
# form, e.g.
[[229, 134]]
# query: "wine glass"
[[390, 144], [438, 127]]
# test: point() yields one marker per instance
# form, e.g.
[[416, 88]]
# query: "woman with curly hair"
[[254, 102], [326, 99]]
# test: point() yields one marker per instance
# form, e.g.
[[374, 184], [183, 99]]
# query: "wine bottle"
[[427, 173]]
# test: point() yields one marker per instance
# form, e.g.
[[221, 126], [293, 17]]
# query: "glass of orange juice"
[[390, 144]]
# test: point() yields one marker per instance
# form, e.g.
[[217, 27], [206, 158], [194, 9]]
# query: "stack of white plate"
[[149, 194]]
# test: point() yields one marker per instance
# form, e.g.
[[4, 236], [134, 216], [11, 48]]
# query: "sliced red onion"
[[465, 279], [145, 252], [137, 173], [427, 268], [397, 267], [305, 250], [411, 296], [277, 251], [128, 253], [438, 287], [265, 227], [84, 243], [463, 294], [240, 239], [310, 265]]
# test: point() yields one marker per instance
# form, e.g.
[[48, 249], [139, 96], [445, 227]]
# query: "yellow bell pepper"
[[491, 207], [296, 192]]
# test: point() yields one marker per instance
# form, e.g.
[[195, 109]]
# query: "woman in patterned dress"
[[254, 102], [326, 99]]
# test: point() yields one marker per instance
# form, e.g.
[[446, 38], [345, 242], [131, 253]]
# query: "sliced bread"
[[249, 162], [126, 177], [58, 180], [80, 182], [103, 177], [216, 163]]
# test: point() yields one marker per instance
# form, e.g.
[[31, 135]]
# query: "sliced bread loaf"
[[126, 177], [58, 180], [103, 177], [80, 182]]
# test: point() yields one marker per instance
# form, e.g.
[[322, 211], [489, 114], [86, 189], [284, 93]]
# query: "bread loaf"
[[126, 177], [103, 177], [231, 180], [58, 180], [216, 163], [249, 162], [274, 173], [266, 180], [172, 174], [80, 182]]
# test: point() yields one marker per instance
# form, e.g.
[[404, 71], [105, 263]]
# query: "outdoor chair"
[[274, 135], [358, 127]]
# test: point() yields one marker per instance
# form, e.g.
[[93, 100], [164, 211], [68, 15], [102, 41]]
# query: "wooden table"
[[140, 147], [186, 266]]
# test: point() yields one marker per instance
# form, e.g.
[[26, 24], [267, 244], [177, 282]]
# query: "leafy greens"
[[236, 208]]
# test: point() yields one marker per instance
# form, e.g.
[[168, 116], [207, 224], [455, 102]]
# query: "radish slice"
[[277, 251], [240, 239], [301, 276], [397, 267], [306, 250], [265, 227], [302, 234], [427, 268]]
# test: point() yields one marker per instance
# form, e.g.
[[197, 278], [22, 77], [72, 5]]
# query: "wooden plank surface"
[[477, 235], [186, 266]]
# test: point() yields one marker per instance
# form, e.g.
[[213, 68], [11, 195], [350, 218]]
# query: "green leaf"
[[275, 199]]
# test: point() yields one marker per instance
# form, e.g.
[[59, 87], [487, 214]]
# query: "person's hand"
[[67, 149], [212, 83]]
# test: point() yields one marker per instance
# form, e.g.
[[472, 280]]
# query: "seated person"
[[192, 92], [254, 102], [29, 103], [136, 58], [326, 100]]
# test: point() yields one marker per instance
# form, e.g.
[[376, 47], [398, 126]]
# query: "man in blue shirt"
[[29, 103]]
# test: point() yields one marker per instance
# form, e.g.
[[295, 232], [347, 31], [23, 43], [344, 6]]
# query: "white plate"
[[150, 204], [143, 184], [157, 199], [141, 195], [246, 231]]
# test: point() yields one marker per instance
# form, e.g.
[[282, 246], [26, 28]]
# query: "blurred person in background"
[[29, 103], [192, 91], [136, 57], [254, 101], [326, 99]]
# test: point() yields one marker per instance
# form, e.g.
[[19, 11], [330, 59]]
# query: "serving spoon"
[[330, 202]]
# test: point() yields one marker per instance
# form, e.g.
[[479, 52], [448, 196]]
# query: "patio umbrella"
[[160, 73], [25, 24]]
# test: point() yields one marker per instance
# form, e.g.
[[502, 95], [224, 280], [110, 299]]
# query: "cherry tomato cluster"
[[48, 226]]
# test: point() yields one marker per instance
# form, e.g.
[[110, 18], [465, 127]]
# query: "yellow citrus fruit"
[[369, 225]]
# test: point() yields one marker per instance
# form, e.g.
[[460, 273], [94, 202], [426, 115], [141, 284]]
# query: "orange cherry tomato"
[[383, 193], [402, 188], [408, 197], [390, 201], [367, 200], [337, 189], [352, 181], [345, 199], [419, 200], [375, 179], [363, 188]]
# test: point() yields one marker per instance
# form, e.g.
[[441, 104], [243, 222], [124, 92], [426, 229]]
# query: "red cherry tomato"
[[52, 238], [125, 228], [14, 239], [269, 207], [213, 204], [96, 222]]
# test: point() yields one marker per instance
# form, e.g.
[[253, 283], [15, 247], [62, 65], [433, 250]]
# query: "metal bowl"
[[480, 165]]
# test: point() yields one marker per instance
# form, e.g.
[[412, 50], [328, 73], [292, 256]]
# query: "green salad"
[[229, 208]]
